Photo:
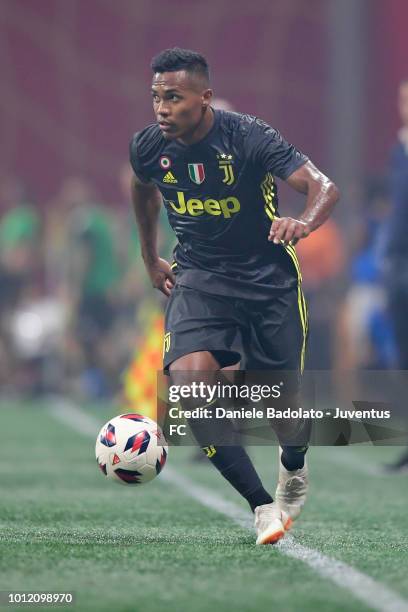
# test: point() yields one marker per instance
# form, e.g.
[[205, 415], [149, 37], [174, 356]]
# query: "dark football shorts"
[[267, 334]]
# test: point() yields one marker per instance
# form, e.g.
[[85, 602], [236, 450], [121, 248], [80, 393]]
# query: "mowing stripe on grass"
[[366, 589], [346, 458]]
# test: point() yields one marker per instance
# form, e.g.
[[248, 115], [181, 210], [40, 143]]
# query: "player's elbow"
[[333, 192]]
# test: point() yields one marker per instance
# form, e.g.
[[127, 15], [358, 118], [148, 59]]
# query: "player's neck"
[[201, 130]]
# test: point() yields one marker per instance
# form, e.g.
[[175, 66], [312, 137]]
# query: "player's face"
[[178, 102], [403, 103]]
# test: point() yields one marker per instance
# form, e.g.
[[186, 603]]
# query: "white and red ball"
[[131, 449]]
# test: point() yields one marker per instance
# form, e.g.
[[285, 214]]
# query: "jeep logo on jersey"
[[196, 173], [195, 207]]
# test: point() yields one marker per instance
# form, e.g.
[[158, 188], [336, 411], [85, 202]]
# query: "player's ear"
[[206, 97]]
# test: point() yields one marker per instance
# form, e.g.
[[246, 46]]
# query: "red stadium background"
[[75, 76]]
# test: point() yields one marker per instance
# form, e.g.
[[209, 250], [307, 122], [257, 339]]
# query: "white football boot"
[[292, 489], [271, 523]]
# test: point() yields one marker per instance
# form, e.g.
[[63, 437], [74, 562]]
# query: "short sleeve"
[[136, 160], [273, 153]]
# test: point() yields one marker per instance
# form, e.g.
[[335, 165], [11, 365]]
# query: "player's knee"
[[194, 371], [201, 361]]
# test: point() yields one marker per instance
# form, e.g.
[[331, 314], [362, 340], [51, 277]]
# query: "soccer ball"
[[131, 449]]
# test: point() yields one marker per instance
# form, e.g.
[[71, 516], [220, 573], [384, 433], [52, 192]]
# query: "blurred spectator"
[[83, 268], [21, 278], [396, 247], [19, 251], [365, 338], [95, 277]]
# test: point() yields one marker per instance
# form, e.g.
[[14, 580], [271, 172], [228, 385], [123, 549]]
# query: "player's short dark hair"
[[171, 60]]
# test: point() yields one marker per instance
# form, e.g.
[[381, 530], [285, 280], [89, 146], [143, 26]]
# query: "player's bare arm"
[[322, 195], [147, 201]]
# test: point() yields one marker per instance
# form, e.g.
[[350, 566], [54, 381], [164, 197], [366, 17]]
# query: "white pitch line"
[[366, 589]]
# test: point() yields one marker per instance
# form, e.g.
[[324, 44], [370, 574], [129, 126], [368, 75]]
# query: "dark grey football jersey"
[[221, 197]]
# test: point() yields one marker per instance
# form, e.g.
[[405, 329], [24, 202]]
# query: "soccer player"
[[234, 288]]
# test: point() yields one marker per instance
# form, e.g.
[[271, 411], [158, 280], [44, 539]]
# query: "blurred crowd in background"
[[77, 308], [75, 301]]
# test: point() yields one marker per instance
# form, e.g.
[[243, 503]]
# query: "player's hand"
[[286, 230], [162, 276]]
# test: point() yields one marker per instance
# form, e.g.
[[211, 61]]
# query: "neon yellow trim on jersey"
[[301, 304], [291, 251], [303, 319], [267, 187], [269, 213], [306, 312]]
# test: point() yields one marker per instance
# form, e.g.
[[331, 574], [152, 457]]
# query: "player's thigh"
[[275, 351], [198, 322], [278, 333]]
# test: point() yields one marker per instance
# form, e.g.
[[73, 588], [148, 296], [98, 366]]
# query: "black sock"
[[293, 457], [295, 443], [235, 465], [218, 439]]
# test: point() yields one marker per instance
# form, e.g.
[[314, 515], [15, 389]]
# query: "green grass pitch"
[[66, 528]]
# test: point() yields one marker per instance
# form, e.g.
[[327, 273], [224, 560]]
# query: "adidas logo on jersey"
[[169, 178]]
